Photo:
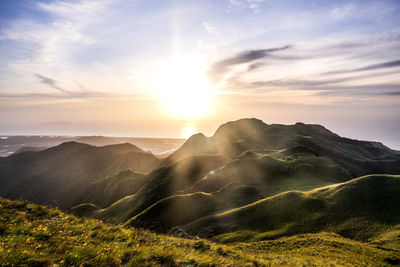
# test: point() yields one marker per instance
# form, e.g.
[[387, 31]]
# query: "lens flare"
[[183, 88], [188, 131]]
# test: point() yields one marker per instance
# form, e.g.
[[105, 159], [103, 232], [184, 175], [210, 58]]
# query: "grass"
[[182, 209], [32, 235]]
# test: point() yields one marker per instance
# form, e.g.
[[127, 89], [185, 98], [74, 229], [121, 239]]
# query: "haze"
[[173, 68]]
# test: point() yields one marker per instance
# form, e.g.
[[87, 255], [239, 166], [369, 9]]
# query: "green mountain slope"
[[243, 180], [181, 209], [59, 175], [32, 235], [361, 209], [161, 183]]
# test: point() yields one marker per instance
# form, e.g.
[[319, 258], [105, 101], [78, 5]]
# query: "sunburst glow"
[[188, 131], [183, 87]]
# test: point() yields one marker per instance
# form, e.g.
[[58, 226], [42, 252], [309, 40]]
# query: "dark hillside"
[[106, 191], [58, 175]]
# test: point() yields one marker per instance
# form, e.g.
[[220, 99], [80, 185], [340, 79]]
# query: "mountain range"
[[250, 181], [10, 144]]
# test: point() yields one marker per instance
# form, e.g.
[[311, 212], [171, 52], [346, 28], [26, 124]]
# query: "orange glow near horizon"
[[188, 131]]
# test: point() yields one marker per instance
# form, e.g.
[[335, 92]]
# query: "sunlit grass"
[[40, 236]]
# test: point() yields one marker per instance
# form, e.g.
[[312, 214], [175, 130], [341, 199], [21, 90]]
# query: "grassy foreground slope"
[[38, 236]]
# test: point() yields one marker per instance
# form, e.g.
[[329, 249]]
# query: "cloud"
[[57, 123], [75, 8], [52, 83], [208, 27], [395, 93], [254, 5], [72, 95], [338, 86], [362, 91], [52, 42], [255, 66], [384, 65], [222, 66], [343, 11], [77, 95], [82, 94], [301, 71]]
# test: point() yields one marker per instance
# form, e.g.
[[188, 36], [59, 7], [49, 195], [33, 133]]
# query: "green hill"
[[360, 209], [59, 175], [181, 209], [161, 183], [241, 181], [32, 235]]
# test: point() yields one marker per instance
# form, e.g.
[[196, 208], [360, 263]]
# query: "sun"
[[181, 84], [188, 131]]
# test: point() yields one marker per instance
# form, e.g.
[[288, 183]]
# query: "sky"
[[172, 68]]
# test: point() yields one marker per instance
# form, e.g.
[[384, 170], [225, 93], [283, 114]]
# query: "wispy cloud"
[[74, 8], [255, 66], [220, 67], [395, 93], [306, 67], [67, 94], [77, 95], [51, 44], [366, 91], [343, 83], [57, 123], [253, 5], [210, 28], [72, 95], [52, 83], [384, 65], [342, 11]]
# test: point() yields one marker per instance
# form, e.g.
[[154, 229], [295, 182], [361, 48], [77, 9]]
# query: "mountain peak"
[[124, 146], [69, 146], [199, 137], [246, 126], [309, 129]]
